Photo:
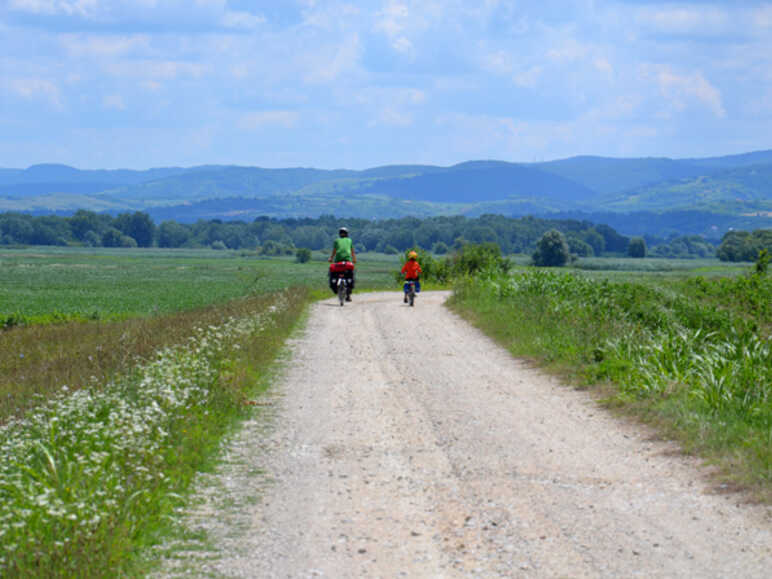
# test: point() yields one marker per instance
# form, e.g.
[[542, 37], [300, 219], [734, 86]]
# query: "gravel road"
[[404, 443]]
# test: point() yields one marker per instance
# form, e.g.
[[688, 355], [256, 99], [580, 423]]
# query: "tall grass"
[[88, 478], [692, 355], [37, 361]]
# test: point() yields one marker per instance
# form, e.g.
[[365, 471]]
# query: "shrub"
[[219, 245], [478, 257], [302, 255], [271, 247]]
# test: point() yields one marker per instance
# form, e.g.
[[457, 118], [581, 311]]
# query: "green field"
[[58, 284]]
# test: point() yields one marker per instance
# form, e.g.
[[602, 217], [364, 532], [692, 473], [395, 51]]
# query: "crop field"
[[42, 285]]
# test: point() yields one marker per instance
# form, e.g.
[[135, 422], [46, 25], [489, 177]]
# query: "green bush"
[[472, 258], [302, 255]]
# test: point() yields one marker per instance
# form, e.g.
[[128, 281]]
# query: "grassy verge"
[[691, 355], [89, 478]]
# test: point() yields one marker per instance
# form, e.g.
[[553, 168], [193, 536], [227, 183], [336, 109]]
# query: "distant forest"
[[276, 236]]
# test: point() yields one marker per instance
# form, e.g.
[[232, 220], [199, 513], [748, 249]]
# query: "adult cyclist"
[[342, 251]]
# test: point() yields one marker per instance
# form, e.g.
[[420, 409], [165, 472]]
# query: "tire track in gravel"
[[406, 443]]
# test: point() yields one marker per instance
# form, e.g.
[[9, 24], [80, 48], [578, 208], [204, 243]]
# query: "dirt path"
[[430, 452]]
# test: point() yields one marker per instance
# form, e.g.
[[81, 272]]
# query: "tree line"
[[437, 234]]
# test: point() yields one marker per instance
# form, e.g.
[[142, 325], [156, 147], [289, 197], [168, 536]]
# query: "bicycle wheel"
[[411, 296], [341, 292]]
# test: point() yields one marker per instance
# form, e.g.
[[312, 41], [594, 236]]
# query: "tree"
[[302, 255], [113, 238], [83, 222], [637, 247], [595, 240], [551, 250], [137, 225], [172, 234], [579, 247]]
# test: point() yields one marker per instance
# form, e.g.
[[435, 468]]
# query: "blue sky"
[[328, 83]]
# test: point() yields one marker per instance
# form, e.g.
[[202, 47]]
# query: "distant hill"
[[604, 175], [731, 161], [738, 187], [483, 181], [739, 190]]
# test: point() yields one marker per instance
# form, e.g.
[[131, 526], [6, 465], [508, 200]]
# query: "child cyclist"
[[411, 270]]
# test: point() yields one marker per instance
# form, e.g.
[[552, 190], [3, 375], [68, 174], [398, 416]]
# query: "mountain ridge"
[[735, 185]]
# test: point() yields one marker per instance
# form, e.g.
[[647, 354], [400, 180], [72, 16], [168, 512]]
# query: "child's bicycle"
[[410, 292]]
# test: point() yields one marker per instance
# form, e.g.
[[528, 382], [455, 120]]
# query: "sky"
[[343, 84]]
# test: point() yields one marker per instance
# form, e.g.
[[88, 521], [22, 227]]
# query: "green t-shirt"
[[342, 247]]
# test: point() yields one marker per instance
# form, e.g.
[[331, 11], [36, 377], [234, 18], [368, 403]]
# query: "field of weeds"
[[690, 354]]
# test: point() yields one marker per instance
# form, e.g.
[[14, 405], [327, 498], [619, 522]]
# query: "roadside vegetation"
[[90, 477], [690, 354], [120, 374]]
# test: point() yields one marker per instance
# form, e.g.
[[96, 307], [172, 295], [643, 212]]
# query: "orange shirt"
[[411, 269]]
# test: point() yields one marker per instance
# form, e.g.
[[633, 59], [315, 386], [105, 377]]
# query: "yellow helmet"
[[412, 255]]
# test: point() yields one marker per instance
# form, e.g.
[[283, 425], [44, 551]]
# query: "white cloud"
[[528, 78], [150, 85], [327, 64], [393, 20], [762, 17], [157, 69], [36, 89], [261, 119], [392, 117], [603, 65], [330, 16], [499, 62], [684, 20], [113, 102], [569, 50], [84, 8], [681, 90], [242, 20], [80, 45]]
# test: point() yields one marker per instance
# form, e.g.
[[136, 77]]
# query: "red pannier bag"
[[341, 266]]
